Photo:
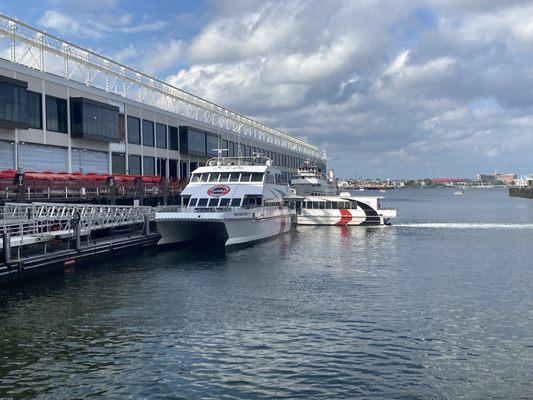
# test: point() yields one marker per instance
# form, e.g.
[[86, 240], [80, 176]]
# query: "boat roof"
[[241, 164], [332, 198]]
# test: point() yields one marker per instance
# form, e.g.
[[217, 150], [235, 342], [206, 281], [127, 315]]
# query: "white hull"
[[334, 217], [225, 228]]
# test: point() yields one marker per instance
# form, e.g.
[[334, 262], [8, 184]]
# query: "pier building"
[[64, 108]]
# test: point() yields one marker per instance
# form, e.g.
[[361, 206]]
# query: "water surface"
[[440, 306]]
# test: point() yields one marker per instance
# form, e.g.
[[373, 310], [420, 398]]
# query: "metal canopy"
[[41, 51]]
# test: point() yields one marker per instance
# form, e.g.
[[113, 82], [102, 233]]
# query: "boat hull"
[[228, 230], [343, 217]]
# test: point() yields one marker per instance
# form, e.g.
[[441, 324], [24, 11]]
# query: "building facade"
[[65, 108]]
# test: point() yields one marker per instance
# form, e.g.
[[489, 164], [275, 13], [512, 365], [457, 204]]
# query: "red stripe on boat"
[[346, 217]]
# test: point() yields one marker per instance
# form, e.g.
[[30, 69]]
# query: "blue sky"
[[391, 88]]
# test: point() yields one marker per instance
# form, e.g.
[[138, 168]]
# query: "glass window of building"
[[212, 144], [173, 138], [13, 103], [134, 130], [161, 135], [148, 165], [94, 120], [134, 162], [148, 133], [35, 110], [56, 114], [196, 142]]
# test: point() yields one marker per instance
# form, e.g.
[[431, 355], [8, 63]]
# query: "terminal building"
[[64, 108]]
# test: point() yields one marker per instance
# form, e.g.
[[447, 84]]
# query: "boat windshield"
[[257, 177], [245, 177], [213, 177], [234, 177], [224, 177]]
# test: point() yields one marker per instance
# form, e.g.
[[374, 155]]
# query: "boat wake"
[[460, 225]]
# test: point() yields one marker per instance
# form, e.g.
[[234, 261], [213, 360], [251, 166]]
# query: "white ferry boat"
[[229, 201], [316, 201], [310, 181], [343, 209]]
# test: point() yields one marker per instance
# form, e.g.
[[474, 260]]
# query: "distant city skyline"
[[388, 88]]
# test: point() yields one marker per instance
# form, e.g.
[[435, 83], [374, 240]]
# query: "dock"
[[42, 238], [525, 192]]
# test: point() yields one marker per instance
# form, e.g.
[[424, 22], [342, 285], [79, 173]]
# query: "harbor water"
[[439, 305]]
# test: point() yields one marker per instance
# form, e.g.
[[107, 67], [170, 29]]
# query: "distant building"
[[448, 181], [506, 179]]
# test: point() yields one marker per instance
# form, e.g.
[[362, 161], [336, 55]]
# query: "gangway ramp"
[[40, 222]]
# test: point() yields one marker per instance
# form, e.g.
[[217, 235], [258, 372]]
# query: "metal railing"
[[41, 51], [38, 219]]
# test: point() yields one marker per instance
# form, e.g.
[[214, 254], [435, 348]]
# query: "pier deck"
[[41, 238]]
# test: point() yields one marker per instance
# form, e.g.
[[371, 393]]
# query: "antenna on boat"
[[219, 155]]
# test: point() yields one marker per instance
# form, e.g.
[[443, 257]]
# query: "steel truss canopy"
[[41, 51]]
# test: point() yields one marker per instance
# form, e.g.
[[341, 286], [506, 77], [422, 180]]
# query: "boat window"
[[278, 179], [334, 205], [213, 177], [224, 202], [257, 177], [354, 205], [224, 177], [185, 201], [194, 178], [328, 206], [213, 202], [322, 205], [202, 178], [192, 203], [234, 177], [202, 202], [235, 202], [245, 177], [315, 205]]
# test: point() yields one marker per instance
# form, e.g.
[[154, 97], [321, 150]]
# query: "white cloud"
[[97, 26]]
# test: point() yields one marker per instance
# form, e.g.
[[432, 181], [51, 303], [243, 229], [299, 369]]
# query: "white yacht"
[[316, 201], [229, 201]]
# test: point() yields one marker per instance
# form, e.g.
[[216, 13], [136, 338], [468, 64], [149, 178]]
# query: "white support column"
[[126, 154], [43, 107], [69, 148]]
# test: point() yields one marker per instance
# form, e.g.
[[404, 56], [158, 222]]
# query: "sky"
[[390, 88]]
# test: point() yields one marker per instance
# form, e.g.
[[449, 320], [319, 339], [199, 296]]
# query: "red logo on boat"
[[219, 190]]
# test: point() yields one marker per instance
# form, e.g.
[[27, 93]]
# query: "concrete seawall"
[[526, 192]]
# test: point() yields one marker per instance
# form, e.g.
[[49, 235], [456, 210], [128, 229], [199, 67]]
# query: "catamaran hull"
[[342, 217], [227, 232]]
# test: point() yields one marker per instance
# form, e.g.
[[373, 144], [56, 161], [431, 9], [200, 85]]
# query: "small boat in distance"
[[459, 193]]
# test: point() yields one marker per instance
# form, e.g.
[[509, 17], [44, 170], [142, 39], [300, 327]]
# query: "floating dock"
[[43, 238]]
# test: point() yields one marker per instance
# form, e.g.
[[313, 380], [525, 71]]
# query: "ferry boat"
[[343, 209], [230, 201], [310, 181], [316, 201]]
